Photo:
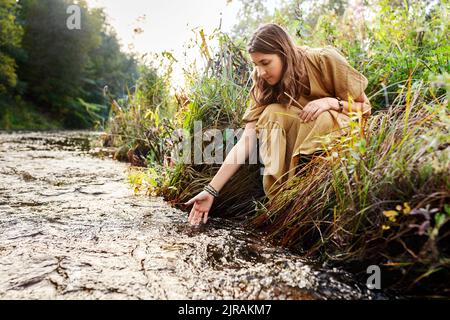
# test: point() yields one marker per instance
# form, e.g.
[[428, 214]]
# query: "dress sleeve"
[[341, 79], [252, 113]]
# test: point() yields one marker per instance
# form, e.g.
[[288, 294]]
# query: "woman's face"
[[268, 66]]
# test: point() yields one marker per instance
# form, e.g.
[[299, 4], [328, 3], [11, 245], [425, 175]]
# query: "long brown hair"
[[271, 38]]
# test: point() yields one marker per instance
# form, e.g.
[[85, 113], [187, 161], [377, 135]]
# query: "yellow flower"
[[390, 213], [398, 207], [385, 227], [407, 208]]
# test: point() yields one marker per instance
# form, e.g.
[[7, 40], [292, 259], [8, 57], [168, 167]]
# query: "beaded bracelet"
[[208, 188]]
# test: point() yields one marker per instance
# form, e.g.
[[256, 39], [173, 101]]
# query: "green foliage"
[[10, 38], [140, 123], [154, 90], [84, 114], [217, 96], [252, 13], [62, 71], [55, 51], [108, 66], [387, 42], [19, 115]]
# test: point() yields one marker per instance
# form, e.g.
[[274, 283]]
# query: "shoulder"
[[310, 52], [339, 74], [331, 55], [312, 56], [323, 56], [333, 61]]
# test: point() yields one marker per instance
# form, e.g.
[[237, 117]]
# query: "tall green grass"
[[379, 195], [139, 123]]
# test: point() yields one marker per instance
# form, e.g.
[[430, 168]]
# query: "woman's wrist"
[[210, 189], [209, 195], [215, 185], [335, 104], [330, 104]]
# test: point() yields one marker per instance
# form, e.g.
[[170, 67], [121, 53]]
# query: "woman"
[[299, 96]]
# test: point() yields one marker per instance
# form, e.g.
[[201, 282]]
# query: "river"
[[71, 228]]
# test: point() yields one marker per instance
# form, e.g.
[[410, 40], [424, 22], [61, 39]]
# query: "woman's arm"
[[235, 158], [362, 104], [314, 108]]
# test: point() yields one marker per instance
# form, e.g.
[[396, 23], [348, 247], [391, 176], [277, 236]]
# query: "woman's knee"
[[271, 109], [275, 112], [325, 116], [325, 120]]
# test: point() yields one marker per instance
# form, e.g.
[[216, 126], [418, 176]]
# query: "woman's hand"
[[314, 108], [202, 204]]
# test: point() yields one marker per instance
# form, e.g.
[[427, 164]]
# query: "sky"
[[167, 24]]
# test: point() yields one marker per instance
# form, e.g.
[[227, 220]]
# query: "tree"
[[109, 66], [66, 68], [10, 38], [57, 56], [251, 15]]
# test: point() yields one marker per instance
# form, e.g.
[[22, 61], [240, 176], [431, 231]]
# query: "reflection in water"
[[71, 228]]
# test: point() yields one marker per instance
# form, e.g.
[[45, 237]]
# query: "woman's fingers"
[[191, 215], [302, 115], [316, 114], [196, 217], [200, 217], [305, 115], [310, 115], [310, 112], [191, 201], [306, 118]]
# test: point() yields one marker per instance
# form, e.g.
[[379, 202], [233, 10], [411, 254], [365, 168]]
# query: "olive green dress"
[[283, 137]]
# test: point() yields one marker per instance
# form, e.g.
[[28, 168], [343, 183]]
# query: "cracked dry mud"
[[71, 228]]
